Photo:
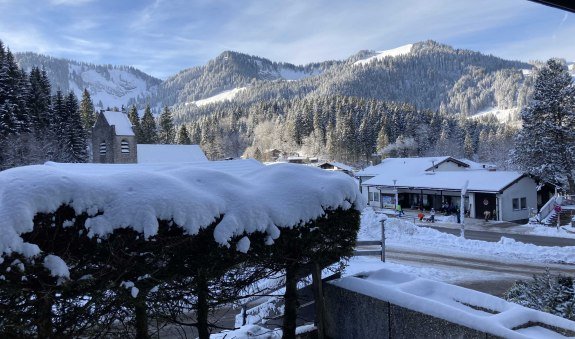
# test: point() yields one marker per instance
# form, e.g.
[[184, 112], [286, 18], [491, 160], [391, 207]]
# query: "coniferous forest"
[[35, 124]]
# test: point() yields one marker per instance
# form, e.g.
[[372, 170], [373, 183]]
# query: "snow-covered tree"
[[183, 137], [149, 134], [545, 146], [166, 133], [554, 294], [135, 120], [87, 111]]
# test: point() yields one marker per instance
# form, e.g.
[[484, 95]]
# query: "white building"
[[156, 153], [433, 182]]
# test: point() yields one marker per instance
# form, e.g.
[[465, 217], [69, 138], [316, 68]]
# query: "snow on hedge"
[[136, 196]]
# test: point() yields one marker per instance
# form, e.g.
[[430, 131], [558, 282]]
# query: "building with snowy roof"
[[155, 153], [336, 166], [113, 139], [114, 142], [436, 182]]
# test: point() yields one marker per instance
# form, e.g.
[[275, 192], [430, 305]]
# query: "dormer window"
[[103, 148], [125, 146]]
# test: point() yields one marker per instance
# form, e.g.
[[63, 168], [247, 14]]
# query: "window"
[[523, 203], [125, 146], [519, 204], [103, 148], [374, 196], [516, 204]]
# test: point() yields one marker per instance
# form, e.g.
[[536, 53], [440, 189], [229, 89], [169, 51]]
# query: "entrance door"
[[484, 202]]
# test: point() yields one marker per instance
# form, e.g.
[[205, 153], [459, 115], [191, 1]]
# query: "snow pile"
[[402, 234], [136, 196], [249, 331], [402, 50], [129, 285], [358, 265], [456, 304], [255, 331], [56, 266]]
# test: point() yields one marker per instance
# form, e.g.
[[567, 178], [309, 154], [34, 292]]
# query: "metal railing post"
[[383, 240]]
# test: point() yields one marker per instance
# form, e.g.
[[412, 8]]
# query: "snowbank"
[[264, 200], [255, 331], [402, 234], [456, 304]]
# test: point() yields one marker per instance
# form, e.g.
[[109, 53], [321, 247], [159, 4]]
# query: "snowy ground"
[[403, 235], [406, 235]]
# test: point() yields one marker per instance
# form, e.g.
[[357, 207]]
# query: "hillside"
[[426, 74], [108, 85]]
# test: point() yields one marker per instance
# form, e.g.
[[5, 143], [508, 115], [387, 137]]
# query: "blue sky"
[[162, 37]]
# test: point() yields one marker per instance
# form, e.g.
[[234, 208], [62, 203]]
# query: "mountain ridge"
[[430, 75]]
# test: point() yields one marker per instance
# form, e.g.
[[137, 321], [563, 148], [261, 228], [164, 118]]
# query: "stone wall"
[[353, 315]]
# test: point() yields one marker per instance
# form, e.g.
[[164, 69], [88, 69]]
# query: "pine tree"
[[148, 128], [40, 101], [468, 146], [554, 294], [545, 146], [87, 111], [382, 139], [167, 132], [183, 137], [135, 120], [75, 133]]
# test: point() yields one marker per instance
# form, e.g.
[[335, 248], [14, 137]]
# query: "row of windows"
[[519, 204], [124, 146]]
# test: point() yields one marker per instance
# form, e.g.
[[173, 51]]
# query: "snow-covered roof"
[[481, 181], [473, 165], [148, 153], [338, 165], [136, 196], [402, 167], [120, 121], [459, 305]]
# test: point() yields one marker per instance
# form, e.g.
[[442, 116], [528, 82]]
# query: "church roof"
[[120, 121]]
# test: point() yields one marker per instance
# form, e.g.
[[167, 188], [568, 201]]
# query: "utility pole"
[[462, 207]]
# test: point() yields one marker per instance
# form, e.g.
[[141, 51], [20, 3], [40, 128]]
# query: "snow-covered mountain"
[[108, 85], [228, 72], [427, 74]]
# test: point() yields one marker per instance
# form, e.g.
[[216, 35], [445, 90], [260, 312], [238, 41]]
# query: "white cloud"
[[166, 36]]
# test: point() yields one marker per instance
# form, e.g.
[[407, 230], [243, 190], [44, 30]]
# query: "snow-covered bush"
[[554, 294], [85, 249]]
